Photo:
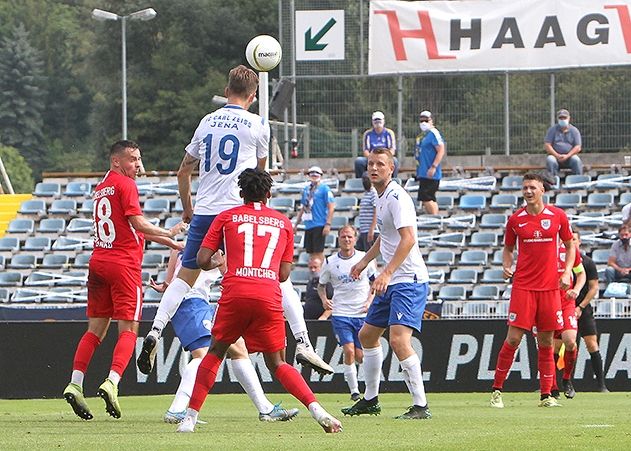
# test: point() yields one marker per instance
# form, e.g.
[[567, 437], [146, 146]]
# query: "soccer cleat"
[[415, 413], [330, 424], [177, 417], [568, 389], [363, 407], [355, 396], [496, 400], [147, 356], [307, 357], [73, 394], [549, 401], [186, 425], [278, 414], [109, 392]]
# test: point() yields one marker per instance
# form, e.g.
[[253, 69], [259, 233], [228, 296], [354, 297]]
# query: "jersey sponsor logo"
[[537, 234], [545, 224]]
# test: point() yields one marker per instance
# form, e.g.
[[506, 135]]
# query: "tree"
[[18, 170], [21, 96]]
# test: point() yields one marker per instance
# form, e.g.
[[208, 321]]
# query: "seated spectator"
[[367, 216], [619, 263], [377, 137], [313, 303], [563, 144]]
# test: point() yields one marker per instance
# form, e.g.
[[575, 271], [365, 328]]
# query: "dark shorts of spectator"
[[313, 310], [362, 242], [427, 189], [314, 240], [587, 323]]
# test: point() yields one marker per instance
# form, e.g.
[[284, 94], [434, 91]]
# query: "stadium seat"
[[152, 260], [299, 240], [493, 220], [282, 204], [27, 295], [451, 239], [493, 276], [54, 261], [9, 244], [303, 259], [556, 183], [4, 295], [498, 257], [504, 201], [472, 202], [166, 189], [452, 293], [330, 241], [47, 189], [58, 295], [445, 202], [81, 261], [63, 207], [436, 276], [586, 221], [300, 276], [80, 225], [177, 208], [292, 186], [568, 200], [600, 256], [600, 200], [429, 222], [602, 182], [37, 243], [22, 261], [485, 292], [21, 226], [172, 221], [473, 257], [484, 239], [151, 295], [144, 187], [441, 258], [346, 203], [476, 309], [10, 279], [33, 207], [512, 182], [625, 198], [87, 207], [64, 243], [78, 189], [577, 181], [338, 222], [75, 277], [40, 279], [353, 186], [463, 276], [52, 225], [156, 206]]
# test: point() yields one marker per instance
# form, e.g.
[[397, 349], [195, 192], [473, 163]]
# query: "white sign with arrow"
[[320, 35]]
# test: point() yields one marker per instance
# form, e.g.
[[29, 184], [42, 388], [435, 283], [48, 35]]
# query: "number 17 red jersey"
[[256, 240]]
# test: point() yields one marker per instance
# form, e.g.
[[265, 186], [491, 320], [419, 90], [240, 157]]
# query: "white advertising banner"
[[497, 35]]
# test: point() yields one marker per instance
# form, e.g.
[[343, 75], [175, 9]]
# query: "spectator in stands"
[[375, 138], [626, 215], [367, 216], [563, 144], [619, 263], [313, 303], [316, 211], [429, 151]]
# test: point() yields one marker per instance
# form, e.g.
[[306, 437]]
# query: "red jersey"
[[256, 240], [537, 238], [115, 240]]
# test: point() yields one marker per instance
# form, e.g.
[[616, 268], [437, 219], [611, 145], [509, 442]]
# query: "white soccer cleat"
[[496, 400], [187, 424], [308, 357], [330, 424]]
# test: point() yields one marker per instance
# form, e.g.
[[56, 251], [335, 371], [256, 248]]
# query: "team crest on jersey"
[[512, 316], [545, 224]]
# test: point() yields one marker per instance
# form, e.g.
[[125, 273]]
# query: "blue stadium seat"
[[63, 207], [74, 277], [81, 261], [300, 276], [2, 261], [152, 260], [441, 258], [27, 295], [80, 225], [338, 222], [485, 292], [600, 200], [23, 261], [78, 189], [282, 204], [69, 244], [600, 256], [484, 239], [492, 275], [585, 220], [625, 198], [472, 202], [10, 279], [303, 259], [21, 226], [577, 181], [353, 186], [504, 201], [156, 206], [445, 202], [498, 258], [568, 200], [87, 207], [603, 182], [452, 293], [151, 295], [330, 241], [52, 225], [463, 276], [47, 189], [177, 208], [167, 189], [346, 203], [37, 243], [473, 257], [292, 186], [493, 220], [512, 182], [9, 244], [54, 261], [57, 295], [33, 207], [4, 295]]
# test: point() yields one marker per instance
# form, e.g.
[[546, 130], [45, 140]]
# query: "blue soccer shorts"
[[193, 322], [198, 228], [346, 330], [402, 303]]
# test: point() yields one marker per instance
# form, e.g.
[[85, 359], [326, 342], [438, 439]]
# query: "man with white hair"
[[377, 137]]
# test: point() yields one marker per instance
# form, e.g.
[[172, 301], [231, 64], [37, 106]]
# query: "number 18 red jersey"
[[256, 240]]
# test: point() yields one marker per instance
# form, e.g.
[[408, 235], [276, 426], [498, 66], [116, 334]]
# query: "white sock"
[[249, 380], [185, 389], [192, 413], [171, 300], [77, 377], [373, 359], [317, 411], [114, 377], [294, 313], [413, 376], [350, 374]]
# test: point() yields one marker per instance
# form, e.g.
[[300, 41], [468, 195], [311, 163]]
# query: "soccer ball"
[[263, 53]]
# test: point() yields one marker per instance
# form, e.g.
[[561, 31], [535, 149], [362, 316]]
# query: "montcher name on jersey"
[[259, 273], [226, 121], [264, 220], [107, 191]]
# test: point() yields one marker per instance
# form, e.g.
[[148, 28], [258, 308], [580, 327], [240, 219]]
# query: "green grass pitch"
[[461, 422]]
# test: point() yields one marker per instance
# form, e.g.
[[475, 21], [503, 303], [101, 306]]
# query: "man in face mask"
[[619, 263], [563, 144], [429, 151]]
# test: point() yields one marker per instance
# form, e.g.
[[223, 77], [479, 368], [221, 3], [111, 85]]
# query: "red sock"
[[554, 379], [206, 375], [293, 382], [504, 362], [123, 351], [85, 349], [546, 368], [569, 359]]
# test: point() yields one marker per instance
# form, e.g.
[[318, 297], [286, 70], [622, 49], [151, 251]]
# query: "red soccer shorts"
[[260, 323], [114, 291], [530, 308], [568, 307]]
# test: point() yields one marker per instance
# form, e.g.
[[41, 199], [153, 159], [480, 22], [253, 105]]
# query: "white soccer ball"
[[263, 53]]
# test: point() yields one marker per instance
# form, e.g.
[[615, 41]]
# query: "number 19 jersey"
[[226, 141], [256, 240]]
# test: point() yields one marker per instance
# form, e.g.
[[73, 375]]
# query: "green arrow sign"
[[311, 44]]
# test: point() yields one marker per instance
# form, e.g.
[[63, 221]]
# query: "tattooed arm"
[[188, 165]]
